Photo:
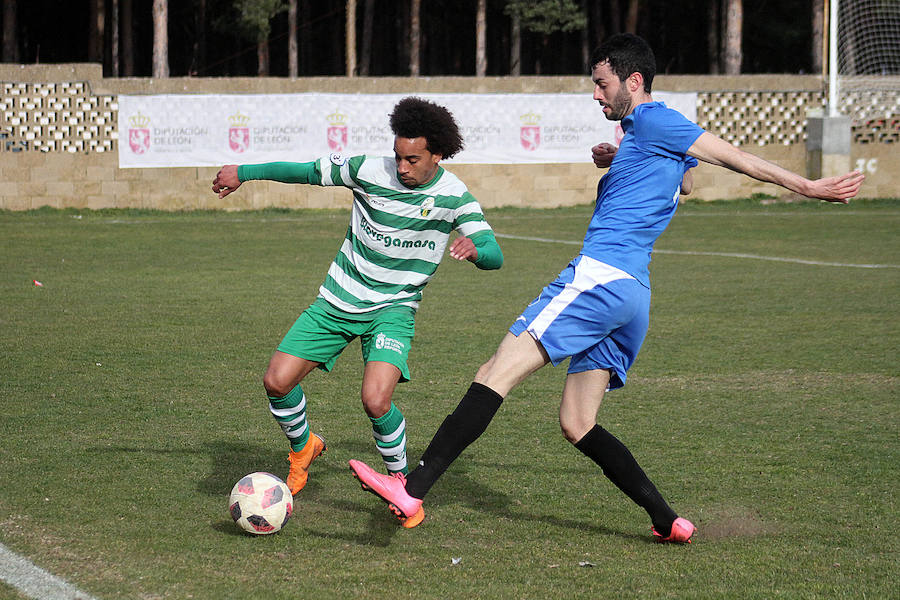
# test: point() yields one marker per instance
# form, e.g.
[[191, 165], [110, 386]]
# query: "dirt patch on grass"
[[733, 522]]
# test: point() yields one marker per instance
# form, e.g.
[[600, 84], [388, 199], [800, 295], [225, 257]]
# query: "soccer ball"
[[260, 503]]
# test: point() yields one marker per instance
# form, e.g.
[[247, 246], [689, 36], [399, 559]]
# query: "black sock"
[[622, 469], [459, 429]]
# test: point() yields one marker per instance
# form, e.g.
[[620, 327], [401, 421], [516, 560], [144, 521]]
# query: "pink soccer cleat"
[[391, 489], [682, 530]]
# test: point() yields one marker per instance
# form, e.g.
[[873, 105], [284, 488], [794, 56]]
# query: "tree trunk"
[[631, 17], [615, 16], [114, 38], [293, 70], [96, 32], [160, 39], [515, 47], [303, 61], [10, 41], [402, 30], [127, 40], [599, 28], [365, 61], [481, 39], [586, 37], [415, 38], [713, 39], [198, 60], [262, 57], [818, 36], [350, 38], [545, 44], [734, 18]]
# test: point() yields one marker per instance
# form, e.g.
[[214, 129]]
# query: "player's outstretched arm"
[[714, 150], [226, 180], [230, 177]]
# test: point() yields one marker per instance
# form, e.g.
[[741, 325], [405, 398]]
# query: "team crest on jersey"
[[337, 159], [427, 205]]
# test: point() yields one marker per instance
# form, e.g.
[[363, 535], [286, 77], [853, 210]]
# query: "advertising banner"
[[184, 130]]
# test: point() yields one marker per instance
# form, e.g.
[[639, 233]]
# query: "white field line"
[[799, 261], [33, 581]]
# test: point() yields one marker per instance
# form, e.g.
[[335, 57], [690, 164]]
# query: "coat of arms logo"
[[139, 133], [238, 133], [337, 131], [530, 132]]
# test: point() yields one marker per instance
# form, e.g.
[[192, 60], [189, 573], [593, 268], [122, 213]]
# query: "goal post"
[[863, 80]]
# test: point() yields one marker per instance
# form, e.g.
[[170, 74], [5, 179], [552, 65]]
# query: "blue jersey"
[[639, 194]]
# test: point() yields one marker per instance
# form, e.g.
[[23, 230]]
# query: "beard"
[[620, 106]]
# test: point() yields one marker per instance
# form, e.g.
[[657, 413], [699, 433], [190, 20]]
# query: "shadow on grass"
[[229, 461], [458, 487]]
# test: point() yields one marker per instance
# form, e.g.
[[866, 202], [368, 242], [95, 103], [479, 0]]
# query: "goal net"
[[864, 75], [868, 44]]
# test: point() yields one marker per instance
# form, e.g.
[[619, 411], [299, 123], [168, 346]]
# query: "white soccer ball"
[[260, 503]]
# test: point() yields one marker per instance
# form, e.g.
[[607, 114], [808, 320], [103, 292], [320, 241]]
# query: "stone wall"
[[58, 139]]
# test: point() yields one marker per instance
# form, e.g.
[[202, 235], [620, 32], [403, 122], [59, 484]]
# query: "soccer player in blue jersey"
[[597, 311]]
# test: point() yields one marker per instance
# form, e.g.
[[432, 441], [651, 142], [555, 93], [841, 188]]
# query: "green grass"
[[764, 405]]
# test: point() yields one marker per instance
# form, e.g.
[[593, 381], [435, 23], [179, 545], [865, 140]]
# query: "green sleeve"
[[285, 172], [489, 254]]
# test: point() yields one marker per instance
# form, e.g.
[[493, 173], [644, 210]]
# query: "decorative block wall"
[[70, 111]]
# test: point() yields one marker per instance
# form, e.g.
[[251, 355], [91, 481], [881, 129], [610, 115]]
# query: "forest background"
[[296, 38]]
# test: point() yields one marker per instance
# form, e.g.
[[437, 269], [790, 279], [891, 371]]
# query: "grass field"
[[764, 405]]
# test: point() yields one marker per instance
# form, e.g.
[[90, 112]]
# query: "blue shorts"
[[594, 313]]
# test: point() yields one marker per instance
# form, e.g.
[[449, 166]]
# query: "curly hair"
[[415, 117]]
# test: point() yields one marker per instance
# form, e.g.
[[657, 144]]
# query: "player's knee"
[[376, 403], [277, 386], [574, 428], [484, 371]]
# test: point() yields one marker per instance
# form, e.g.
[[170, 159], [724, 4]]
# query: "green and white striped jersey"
[[397, 235]]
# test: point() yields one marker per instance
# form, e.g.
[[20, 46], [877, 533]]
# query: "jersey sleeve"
[[469, 221], [490, 256], [666, 132], [284, 172], [468, 217], [337, 169]]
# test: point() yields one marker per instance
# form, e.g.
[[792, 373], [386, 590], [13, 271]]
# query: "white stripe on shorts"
[[589, 273]]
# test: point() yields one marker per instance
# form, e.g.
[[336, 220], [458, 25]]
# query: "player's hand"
[[603, 154], [226, 180], [839, 188], [462, 248]]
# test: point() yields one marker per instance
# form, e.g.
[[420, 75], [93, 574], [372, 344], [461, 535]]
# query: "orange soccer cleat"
[[301, 460]]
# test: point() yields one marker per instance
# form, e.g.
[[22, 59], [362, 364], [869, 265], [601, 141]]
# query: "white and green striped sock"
[[389, 431], [290, 412]]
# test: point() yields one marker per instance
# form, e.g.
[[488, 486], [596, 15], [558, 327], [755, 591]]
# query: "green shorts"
[[322, 332]]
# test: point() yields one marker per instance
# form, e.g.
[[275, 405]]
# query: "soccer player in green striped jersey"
[[404, 209]]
